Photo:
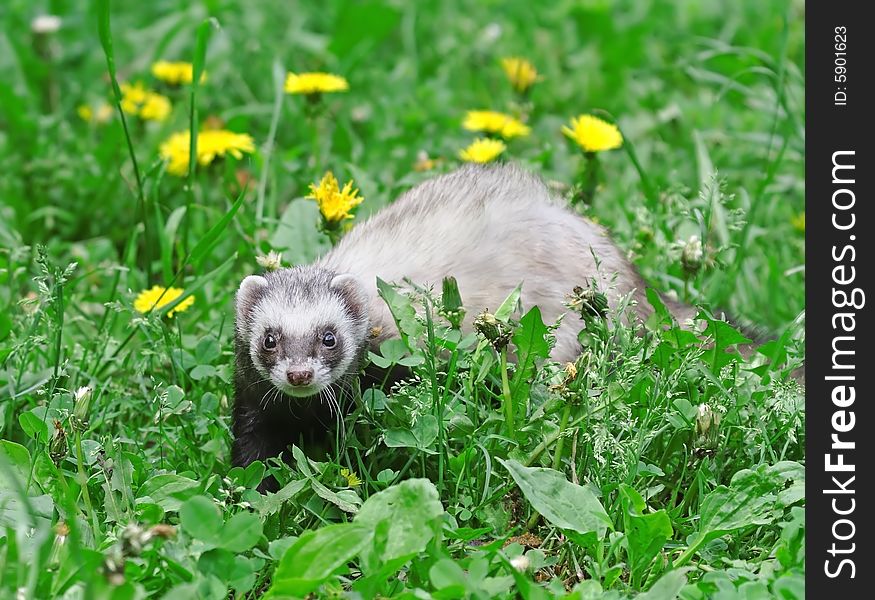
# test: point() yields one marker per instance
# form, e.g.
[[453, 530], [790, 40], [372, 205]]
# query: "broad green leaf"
[[510, 305], [403, 312], [253, 474], [316, 556], [562, 503], [235, 571], [272, 503], [790, 587], [46, 474], [33, 511], [17, 464], [296, 235], [208, 349], [277, 548], [333, 497], [448, 577], [204, 587], [34, 426], [790, 551], [723, 335], [645, 533], [750, 498], [241, 532], [168, 490], [395, 351], [201, 519], [411, 509], [421, 435], [666, 587], [530, 341], [588, 589], [753, 497], [660, 312]]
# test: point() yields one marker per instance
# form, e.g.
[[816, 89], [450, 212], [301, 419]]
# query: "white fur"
[[293, 319]]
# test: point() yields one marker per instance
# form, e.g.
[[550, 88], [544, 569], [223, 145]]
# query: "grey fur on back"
[[491, 227]]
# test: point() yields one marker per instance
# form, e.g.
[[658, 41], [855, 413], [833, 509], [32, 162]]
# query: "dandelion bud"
[[707, 426], [492, 329], [58, 444], [588, 302], [271, 262], [645, 234], [521, 563], [81, 408], [451, 301], [692, 255], [704, 419]]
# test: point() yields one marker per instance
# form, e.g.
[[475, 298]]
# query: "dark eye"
[[269, 342], [328, 340]]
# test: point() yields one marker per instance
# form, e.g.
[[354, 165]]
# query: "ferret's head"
[[305, 327]]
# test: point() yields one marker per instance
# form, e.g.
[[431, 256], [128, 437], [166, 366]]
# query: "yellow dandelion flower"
[[498, 123], [482, 150], [99, 114], [146, 104], [157, 297], [592, 134], [211, 143], [521, 73], [352, 480], [315, 83], [175, 73], [798, 222], [334, 204]]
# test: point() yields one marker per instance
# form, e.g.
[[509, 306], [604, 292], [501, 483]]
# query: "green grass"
[[616, 480]]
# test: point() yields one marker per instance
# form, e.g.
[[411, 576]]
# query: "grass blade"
[[104, 31], [198, 62]]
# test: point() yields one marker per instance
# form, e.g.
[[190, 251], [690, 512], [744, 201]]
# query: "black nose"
[[300, 376]]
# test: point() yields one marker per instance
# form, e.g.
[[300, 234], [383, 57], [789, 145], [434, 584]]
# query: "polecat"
[[303, 329]]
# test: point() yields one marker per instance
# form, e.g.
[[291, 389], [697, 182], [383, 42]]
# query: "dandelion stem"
[[588, 180], [105, 34], [86, 496], [316, 149], [203, 36], [649, 190], [278, 80], [560, 443], [508, 400]]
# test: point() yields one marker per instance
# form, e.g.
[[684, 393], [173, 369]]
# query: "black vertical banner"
[[840, 59]]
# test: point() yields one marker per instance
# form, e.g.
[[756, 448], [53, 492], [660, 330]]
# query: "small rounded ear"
[[353, 292], [250, 290]]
